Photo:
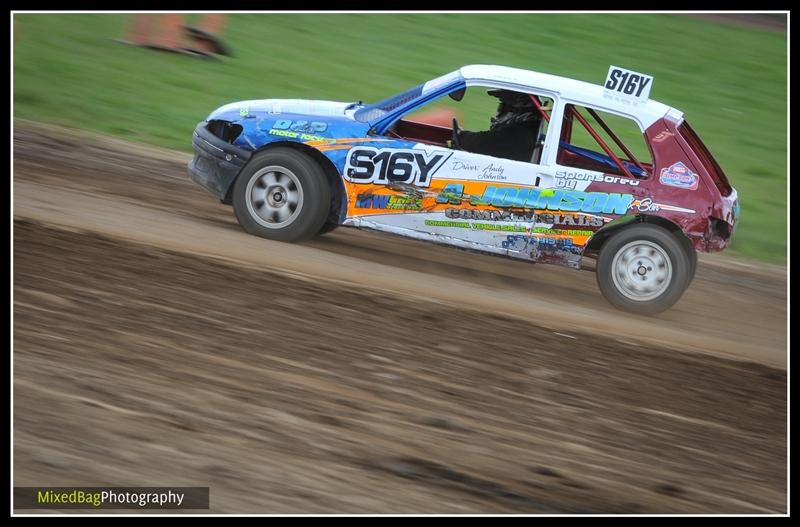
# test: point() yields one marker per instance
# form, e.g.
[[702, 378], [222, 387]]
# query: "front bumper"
[[216, 163]]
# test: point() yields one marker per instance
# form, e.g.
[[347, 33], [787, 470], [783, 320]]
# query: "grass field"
[[729, 80]]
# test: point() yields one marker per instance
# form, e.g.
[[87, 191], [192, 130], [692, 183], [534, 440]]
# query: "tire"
[[692, 254], [283, 195], [328, 227], [652, 256]]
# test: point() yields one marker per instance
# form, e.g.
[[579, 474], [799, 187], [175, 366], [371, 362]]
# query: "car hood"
[[274, 107], [267, 120]]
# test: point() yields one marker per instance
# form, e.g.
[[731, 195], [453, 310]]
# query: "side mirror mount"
[[458, 94]]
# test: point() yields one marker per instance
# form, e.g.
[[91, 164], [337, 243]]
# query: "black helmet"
[[514, 107], [512, 101]]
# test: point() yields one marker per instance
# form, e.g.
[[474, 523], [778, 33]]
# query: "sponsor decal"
[[477, 226], [385, 166], [562, 232], [518, 243], [679, 175], [554, 242], [647, 205], [569, 180], [569, 207], [544, 199], [300, 126], [662, 136], [296, 135], [244, 111], [581, 220], [388, 201]]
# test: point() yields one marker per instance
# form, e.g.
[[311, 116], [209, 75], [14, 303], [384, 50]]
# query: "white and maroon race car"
[[550, 181]]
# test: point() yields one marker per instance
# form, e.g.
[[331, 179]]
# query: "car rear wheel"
[[329, 226], [643, 269], [692, 254], [282, 195]]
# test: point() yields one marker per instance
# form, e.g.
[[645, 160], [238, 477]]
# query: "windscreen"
[[373, 112]]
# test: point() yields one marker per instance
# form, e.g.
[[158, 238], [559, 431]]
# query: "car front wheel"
[[282, 195], [643, 269]]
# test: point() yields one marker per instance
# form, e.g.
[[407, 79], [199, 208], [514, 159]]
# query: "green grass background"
[[730, 80]]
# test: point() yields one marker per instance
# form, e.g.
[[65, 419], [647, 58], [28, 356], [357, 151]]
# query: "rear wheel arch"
[[599, 239], [596, 243]]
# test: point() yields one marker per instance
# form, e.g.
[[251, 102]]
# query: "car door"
[[426, 190], [480, 201]]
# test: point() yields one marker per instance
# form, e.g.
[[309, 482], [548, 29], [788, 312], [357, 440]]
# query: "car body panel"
[[544, 212]]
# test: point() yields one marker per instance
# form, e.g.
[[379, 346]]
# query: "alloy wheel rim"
[[641, 270], [274, 197]]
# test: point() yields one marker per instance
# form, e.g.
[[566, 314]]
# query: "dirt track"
[[156, 344]]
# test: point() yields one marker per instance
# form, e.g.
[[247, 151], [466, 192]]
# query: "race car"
[[549, 182]]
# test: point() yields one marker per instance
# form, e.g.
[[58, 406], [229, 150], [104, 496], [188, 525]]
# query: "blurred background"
[[727, 74], [157, 343]]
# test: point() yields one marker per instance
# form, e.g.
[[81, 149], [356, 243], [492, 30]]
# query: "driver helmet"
[[513, 108]]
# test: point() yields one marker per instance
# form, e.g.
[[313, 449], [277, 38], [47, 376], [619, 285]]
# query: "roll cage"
[[383, 114]]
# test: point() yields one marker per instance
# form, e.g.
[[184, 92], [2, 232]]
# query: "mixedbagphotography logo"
[[111, 497]]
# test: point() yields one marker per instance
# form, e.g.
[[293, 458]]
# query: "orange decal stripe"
[[332, 147], [324, 142]]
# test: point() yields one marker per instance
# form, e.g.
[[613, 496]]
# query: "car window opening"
[[572, 155], [516, 131]]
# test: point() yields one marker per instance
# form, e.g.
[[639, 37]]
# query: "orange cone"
[[171, 33], [159, 32], [206, 35], [138, 33]]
